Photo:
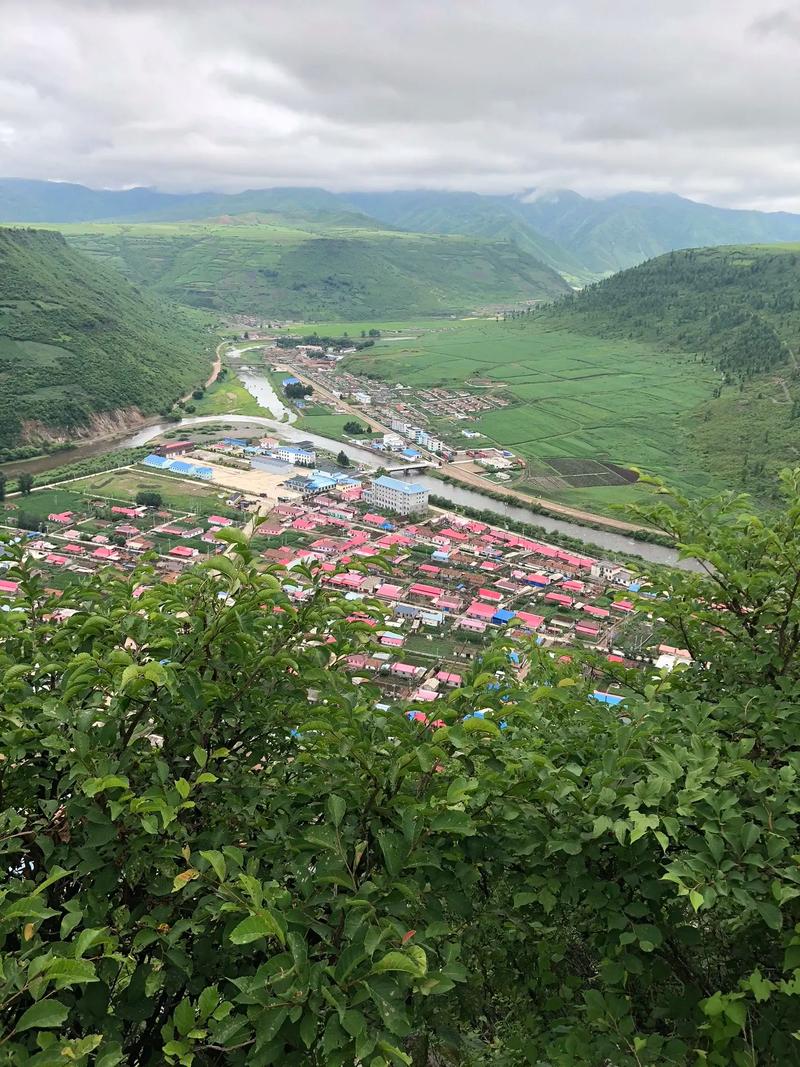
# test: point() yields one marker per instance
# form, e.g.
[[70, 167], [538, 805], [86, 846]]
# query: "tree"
[[25, 483], [149, 498], [198, 393], [343, 459], [355, 428], [3, 481], [202, 868]]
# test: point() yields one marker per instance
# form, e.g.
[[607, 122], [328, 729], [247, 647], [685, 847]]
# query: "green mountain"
[[255, 265], [77, 341], [735, 308], [620, 231], [580, 237], [494, 218]]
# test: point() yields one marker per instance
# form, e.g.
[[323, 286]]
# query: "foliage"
[[149, 498], [25, 483], [355, 428], [343, 459], [76, 339], [297, 390], [221, 850]]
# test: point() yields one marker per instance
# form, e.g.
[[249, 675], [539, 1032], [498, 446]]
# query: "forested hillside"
[[78, 340], [280, 267], [736, 309]]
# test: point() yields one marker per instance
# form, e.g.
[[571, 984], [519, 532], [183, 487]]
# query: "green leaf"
[[412, 961], [268, 1023], [69, 971], [44, 1015], [217, 861], [254, 927], [184, 1017], [770, 914], [200, 756], [92, 786], [453, 822], [308, 1028], [183, 879], [183, 787], [696, 899], [336, 808]]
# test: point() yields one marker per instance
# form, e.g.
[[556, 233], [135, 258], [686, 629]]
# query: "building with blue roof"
[[612, 699], [404, 498], [502, 616]]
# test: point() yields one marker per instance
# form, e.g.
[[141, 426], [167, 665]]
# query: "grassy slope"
[[77, 339], [736, 308], [617, 399], [262, 268]]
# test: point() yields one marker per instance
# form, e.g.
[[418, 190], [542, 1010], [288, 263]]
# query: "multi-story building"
[[392, 441], [403, 498], [302, 457]]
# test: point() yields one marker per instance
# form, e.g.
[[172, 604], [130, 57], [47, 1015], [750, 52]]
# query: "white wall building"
[[393, 441], [302, 457], [403, 498], [362, 398]]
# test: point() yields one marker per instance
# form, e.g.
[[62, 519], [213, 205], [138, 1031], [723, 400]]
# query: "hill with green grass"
[[282, 267], [79, 342], [735, 310]]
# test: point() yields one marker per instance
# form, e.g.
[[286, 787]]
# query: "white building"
[[362, 398], [302, 457], [399, 425], [392, 441], [404, 498]]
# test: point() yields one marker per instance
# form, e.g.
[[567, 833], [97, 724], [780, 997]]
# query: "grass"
[[227, 397], [571, 396], [41, 503], [178, 494], [305, 271], [330, 425]]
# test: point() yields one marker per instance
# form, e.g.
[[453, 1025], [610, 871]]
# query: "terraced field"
[[577, 398]]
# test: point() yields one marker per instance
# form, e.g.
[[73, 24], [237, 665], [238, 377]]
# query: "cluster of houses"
[[452, 586]]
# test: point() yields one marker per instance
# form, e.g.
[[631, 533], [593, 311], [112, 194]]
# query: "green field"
[[178, 494], [571, 396], [227, 397]]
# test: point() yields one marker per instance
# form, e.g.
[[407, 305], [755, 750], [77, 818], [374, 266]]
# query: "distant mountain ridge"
[[583, 238]]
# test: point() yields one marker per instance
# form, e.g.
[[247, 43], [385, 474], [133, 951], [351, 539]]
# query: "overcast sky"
[[699, 97]]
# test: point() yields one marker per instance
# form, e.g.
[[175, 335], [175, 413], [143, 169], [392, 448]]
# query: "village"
[[455, 584]]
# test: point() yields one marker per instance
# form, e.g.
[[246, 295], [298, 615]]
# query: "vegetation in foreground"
[[220, 851]]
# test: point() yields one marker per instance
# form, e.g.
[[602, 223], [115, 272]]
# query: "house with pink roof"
[[63, 518], [105, 553], [529, 620], [490, 594], [477, 610], [219, 520], [7, 587], [475, 626], [561, 599], [183, 552], [56, 560]]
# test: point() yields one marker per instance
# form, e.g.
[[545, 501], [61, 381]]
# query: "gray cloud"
[[701, 98]]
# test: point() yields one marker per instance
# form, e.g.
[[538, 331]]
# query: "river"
[[596, 541]]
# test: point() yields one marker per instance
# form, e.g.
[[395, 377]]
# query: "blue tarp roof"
[[503, 615], [607, 698]]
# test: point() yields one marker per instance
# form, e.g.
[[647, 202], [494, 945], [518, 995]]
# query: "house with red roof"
[[63, 518], [7, 587], [183, 552], [219, 520]]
